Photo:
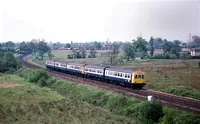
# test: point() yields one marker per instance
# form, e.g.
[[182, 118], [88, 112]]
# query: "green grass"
[[33, 104], [27, 92]]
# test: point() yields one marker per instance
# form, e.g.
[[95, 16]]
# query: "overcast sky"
[[89, 20]]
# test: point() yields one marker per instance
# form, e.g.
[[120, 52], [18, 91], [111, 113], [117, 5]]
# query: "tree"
[[0, 47], [92, 53], [172, 47], [97, 45], [158, 43], [115, 48], [140, 46], [33, 47], [50, 55], [176, 48], [83, 52], [151, 42], [129, 50], [8, 47], [24, 48], [67, 45], [196, 40], [42, 48], [167, 46], [114, 53]]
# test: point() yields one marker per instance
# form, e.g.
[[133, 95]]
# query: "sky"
[[98, 20]]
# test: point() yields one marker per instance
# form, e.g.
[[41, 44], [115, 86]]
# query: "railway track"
[[174, 101]]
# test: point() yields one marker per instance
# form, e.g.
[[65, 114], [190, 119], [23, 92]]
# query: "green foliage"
[[151, 111], [129, 50], [67, 45], [97, 45], [8, 47], [24, 48], [184, 55], [39, 76], [42, 48], [158, 43], [144, 111], [151, 42], [172, 47], [183, 92], [173, 116], [69, 56], [92, 53], [7, 62], [140, 46], [83, 52]]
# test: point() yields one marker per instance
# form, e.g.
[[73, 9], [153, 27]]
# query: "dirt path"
[[10, 85]]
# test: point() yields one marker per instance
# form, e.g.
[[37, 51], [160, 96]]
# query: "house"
[[157, 51], [195, 52], [185, 50]]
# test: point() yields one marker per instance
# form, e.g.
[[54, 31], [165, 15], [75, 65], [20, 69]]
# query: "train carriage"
[[61, 66], [50, 64], [94, 71], [118, 75], [75, 68]]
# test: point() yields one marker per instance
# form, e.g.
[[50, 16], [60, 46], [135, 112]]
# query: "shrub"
[[39, 76], [151, 111], [172, 56]]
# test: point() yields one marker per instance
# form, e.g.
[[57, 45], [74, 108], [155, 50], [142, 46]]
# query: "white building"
[[195, 52]]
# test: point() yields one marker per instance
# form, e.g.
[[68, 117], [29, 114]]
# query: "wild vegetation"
[[29, 103], [140, 111]]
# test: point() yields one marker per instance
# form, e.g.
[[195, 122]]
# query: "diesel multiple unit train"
[[108, 74]]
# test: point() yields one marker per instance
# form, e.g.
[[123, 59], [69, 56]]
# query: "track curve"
[[174, 101]]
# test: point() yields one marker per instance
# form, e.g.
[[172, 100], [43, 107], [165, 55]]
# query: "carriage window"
[[63, 65], [120, 75], [128, 76], [115, 73], [139, 76], [142, 76], [57, 64]]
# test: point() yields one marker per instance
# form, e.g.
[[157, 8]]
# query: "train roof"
[[95, 66], [62, 62], [121, 70], [76, 64]]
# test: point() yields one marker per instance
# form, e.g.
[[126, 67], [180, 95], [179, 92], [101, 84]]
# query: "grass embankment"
[[117, 104], [25, 102]]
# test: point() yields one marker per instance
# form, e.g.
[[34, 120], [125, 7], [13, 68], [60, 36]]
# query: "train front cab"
[[138, 79]]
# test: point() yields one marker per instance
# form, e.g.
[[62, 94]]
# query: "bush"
[[172, 56], [185, 55], [8, 62], [172, 116], [151, 111]]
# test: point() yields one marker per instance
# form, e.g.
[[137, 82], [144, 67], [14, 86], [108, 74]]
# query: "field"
[[179, 77], [23, 102]]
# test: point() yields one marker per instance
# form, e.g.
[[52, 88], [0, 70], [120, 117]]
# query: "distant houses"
[[195, 52], [192, 52]]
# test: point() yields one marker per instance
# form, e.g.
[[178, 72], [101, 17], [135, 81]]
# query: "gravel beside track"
[[174, 101]]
